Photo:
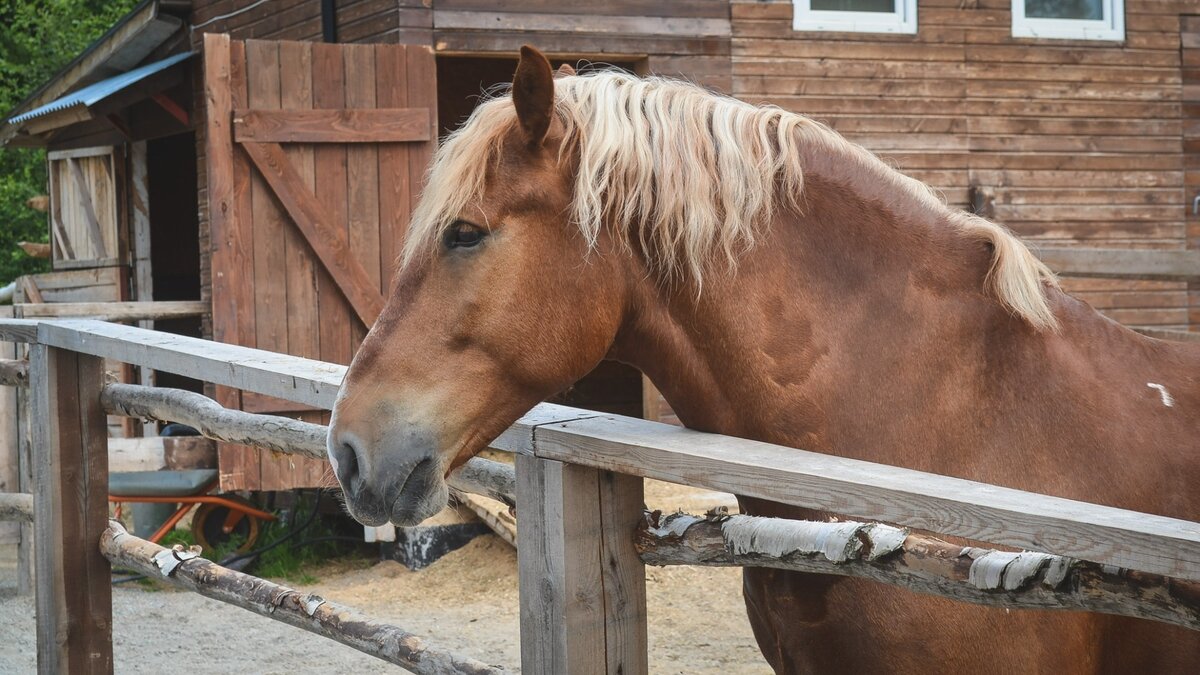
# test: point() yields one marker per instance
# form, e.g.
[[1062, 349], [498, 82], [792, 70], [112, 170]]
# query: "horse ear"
[[565, 70], [533, 94]]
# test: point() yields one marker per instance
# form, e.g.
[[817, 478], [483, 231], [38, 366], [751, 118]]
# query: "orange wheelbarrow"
[[218, 518]]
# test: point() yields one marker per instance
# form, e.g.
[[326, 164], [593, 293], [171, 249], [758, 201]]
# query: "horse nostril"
[[345, 456]]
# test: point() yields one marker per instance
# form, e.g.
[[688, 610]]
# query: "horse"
[[775, 282]]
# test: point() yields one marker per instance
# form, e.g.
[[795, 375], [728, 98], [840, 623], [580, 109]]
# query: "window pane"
[[1092, 10], [887, 6]]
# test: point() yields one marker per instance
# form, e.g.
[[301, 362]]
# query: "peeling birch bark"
[[280, 434], [920, 563], [302, 610]]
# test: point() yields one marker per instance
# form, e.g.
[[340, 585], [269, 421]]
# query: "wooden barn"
[[259, 160]]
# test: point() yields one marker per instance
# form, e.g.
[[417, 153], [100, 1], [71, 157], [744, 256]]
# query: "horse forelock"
[[691, 176]]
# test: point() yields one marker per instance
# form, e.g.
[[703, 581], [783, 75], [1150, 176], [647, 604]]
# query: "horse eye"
[[463, 235]]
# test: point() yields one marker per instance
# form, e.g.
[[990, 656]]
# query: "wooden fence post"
[[583, 586], [70, 454]]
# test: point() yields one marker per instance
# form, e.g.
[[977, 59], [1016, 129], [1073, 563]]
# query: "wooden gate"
[[315, 154]]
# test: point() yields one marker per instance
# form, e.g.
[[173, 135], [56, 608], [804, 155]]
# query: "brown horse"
[[779, 283]]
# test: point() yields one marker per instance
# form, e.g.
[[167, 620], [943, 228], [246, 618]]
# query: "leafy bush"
[[37, 38]]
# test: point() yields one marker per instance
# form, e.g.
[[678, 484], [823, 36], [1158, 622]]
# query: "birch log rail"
[[302, 610], [1026, 580], [279, 434]]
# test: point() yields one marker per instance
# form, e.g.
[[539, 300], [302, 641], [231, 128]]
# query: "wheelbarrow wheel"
[[215, 525]]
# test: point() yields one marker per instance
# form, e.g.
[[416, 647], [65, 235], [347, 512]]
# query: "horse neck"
[[866, 331]]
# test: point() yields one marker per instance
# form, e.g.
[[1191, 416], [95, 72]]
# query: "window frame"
[[1111, 28], [902, 21]]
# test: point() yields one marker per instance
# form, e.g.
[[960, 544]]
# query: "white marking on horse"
[[1162, 392]]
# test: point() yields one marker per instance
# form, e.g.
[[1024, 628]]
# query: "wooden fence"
[[583, 534]]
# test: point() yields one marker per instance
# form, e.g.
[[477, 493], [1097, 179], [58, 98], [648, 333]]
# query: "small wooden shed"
[[270, 173]]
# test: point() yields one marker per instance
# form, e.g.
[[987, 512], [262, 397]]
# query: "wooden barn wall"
[[1078, 142]]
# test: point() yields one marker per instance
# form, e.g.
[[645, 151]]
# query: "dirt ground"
[[467, 601]]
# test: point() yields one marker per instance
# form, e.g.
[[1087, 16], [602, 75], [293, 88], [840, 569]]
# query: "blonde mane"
[[693, 175]]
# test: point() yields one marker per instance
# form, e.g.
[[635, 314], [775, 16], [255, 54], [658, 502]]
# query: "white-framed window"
[[1069, 19], [856, 16]]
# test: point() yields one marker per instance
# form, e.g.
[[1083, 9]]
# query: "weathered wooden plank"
[[576, 23], [381, 125], [74, 590], [1123, 263], [115, 311], [857, 489], [83, 191], [16, 506], [582, 599], [316, 224], [395, 178], [331, 186], [310, 612], [362, 168], [280, 375]]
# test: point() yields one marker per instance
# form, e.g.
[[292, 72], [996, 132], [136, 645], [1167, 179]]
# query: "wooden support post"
[[74, 587], [583, 587]]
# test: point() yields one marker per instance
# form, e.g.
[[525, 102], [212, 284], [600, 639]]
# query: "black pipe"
[[329, 20]]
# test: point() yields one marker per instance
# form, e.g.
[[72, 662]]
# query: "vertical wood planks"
[[331, 188], [362, 166], [270, 262], [583, 602], [70, 446], [395, 178]]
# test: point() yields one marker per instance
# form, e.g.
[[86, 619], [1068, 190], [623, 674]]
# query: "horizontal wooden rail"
[[302, 610], [114, 311], [918, 563], [856, 489], [378, 125], [16, 506], [1146, 264], [280, 434]]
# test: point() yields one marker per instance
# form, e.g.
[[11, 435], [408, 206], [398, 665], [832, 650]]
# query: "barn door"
[[314, 156], [1189, 34]]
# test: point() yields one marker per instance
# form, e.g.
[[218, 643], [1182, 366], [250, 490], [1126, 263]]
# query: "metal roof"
[[94, 93]]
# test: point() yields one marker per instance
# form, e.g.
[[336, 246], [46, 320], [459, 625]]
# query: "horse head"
[[504, 306]]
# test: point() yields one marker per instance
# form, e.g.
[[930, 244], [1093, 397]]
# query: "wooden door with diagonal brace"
[[315, 154]]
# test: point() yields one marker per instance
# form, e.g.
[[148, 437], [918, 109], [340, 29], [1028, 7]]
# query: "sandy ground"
[[467, 602]]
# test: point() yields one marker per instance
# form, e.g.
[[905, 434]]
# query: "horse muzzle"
[[397, 480]]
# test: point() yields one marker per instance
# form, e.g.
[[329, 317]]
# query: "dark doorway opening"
[[463, 82], [174, 235]]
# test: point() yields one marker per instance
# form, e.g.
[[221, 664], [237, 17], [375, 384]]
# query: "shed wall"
[[1076, 142]]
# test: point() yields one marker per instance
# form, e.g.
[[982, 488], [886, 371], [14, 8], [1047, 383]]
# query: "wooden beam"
[[319, 228], [377, 125], [280, 603], [33, 294], [175, 110], [14, 372], [16, 506], [1146, 264], [917, 562], [74, 588], [863, 490], [35, 249], [116, 311], [583, 595]]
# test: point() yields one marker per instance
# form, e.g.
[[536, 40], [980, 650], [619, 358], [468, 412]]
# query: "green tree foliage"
[[37, 38]]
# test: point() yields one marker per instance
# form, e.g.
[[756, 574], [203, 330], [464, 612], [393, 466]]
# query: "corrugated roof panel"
[[94, 93]]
